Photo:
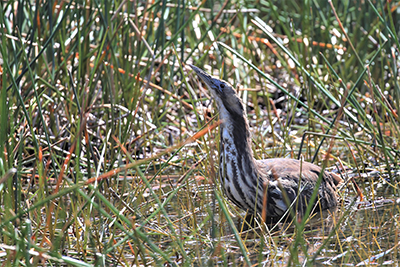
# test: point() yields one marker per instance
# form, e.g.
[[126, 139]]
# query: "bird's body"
[[268, 186]]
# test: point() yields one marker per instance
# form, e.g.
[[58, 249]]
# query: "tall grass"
[[109, 144]]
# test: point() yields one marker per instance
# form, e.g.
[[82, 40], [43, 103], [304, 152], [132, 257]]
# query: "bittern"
[[269, 186]]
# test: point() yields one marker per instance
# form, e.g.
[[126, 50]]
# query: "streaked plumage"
[[243, 178]]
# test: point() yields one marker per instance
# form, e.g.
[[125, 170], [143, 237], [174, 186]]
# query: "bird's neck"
[[235, 127], [236, 156], [235, 134]]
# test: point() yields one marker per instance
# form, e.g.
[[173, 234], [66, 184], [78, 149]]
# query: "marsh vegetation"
[[109, 143]]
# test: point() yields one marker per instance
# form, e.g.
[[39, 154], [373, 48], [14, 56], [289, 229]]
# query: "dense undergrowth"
[[109, 144]]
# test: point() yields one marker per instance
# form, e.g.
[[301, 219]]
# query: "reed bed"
[[109, 143]]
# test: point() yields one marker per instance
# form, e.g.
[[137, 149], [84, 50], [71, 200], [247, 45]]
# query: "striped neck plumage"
[[235, 131], [238, 172]]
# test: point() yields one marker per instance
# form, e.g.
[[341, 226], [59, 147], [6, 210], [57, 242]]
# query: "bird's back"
[[292, 182]]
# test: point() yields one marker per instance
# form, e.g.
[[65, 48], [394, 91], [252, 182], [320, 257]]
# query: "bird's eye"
[[222, 85]]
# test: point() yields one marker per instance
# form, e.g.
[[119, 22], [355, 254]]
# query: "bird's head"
[[223, 93]]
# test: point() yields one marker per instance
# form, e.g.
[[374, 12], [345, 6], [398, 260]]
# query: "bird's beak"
[[207, 79]]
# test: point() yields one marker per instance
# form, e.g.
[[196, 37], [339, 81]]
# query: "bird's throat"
[[238, 172]]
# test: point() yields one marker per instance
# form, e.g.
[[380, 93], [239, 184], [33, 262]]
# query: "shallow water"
[[357, 232]]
